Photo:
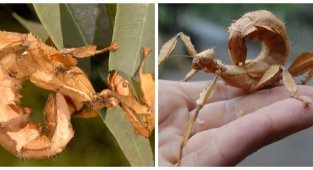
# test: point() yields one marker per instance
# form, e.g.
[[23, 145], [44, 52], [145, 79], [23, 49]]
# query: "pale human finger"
[[217, 114], [231, 143], [172, 94]]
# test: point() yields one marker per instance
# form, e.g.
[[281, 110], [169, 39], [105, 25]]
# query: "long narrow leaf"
[[133, 29], [102, 37], [63, 28], [33, 27], [136, 148]]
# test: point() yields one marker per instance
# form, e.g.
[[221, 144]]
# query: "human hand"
[[220, 136]]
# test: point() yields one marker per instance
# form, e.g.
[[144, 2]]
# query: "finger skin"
[[189, 92], [170, 98], [231, 143], [176, 99], [217, 114]]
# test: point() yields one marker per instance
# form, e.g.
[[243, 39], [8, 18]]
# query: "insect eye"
[[125, 84]]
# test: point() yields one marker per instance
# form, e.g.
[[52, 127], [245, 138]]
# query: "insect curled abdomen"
[[25, 57], [263, 26], [23, 138]]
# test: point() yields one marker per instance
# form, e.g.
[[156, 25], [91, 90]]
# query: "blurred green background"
[[207, 26], [93, 143]]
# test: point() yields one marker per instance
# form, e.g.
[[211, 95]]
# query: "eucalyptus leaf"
[[9, 23], [63, 28], [111, 8], [133, 29], [33, 27], [49, 15], [136, 148], [102, 37]]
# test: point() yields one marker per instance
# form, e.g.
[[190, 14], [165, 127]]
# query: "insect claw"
[[113, 46], [306, 103]]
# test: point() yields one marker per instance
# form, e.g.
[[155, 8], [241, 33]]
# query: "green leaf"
[[133, 29], [111, 8], [102, 37], [63, 27], [9, 23], [50, 17], [136, 148], [33, 27]]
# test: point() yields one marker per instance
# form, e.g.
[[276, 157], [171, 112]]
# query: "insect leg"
[[204, 97], [190, 73], [303, 63], [203, 61], [169, 46], [136, 123], [270, 75], [308, 77], [147, 90], [291, 86], [88, 50]]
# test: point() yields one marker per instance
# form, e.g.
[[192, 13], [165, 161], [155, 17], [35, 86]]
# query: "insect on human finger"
[[250, 75]]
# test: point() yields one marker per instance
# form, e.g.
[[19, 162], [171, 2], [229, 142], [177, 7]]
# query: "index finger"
[[174, 94], [191, 91], [230, 144]]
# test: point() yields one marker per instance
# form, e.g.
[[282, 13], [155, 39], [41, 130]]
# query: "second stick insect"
[[249, 75]]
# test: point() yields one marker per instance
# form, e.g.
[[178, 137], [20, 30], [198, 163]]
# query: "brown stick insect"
[[24, 56], [249, 75]]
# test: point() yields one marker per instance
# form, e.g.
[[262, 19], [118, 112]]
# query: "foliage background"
[[206, 24], [81, 24]]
